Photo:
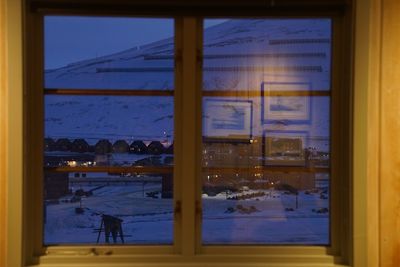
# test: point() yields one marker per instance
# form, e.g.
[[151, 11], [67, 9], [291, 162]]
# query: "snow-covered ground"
[[146, 220], [268, 222]]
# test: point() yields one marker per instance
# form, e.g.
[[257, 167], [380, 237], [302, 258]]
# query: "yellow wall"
[[3, 115], [11, 130], [376, 133], [389, 214]]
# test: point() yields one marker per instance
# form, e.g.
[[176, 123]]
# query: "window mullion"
[[190, 131], [33, 136]]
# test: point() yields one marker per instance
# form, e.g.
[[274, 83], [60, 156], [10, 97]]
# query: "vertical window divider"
[[199, 142], [340, 128], [178, 133], [190, 131], [33, 141]]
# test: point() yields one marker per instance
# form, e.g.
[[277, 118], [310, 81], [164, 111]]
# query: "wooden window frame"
[[187, 248]]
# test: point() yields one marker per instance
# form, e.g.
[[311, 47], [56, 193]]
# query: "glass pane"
[[106, 208], [109, 53], [266, 132], [84, 131]]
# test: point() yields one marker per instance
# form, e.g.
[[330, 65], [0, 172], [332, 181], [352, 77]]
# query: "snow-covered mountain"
[[240, 54]]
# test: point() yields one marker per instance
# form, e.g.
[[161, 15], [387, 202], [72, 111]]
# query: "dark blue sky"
[[71, 39]]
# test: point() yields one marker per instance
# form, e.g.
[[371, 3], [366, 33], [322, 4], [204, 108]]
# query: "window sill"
[[277, 257]]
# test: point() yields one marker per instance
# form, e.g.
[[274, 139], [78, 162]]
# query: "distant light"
[[71, 163]]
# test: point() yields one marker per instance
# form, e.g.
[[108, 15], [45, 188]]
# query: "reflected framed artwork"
[[284, 102], [284, 148], [227, 120]]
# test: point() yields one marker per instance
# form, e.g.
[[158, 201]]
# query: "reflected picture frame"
[[226, 120], [284, 148], [283, 102]]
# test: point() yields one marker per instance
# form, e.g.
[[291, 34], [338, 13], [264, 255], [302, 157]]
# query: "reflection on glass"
[[266, 132], [107, 208], [240, 54], [109, 53]]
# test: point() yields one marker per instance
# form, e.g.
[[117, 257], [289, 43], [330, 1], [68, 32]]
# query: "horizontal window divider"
[[234, 69], [115, 169], [219, 8], [258, 93], [169, 169], [144, 92], [111, 92], [265, 169]]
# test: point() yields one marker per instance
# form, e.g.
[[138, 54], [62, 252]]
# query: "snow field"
[[150, 220]]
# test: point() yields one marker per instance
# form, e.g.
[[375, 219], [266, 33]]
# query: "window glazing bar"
[[116, 92]]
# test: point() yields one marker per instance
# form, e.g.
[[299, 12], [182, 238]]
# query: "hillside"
[[238, 55]]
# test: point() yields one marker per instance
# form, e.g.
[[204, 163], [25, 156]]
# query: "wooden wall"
[[3, 106], [377, 84], [373, 141], [389, 215]]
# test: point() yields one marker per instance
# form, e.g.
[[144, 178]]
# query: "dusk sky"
[[70, 38]]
